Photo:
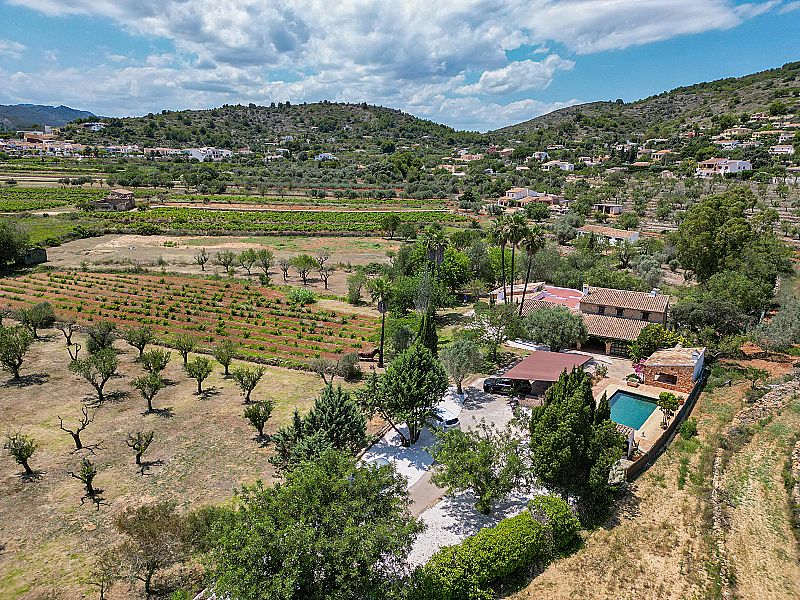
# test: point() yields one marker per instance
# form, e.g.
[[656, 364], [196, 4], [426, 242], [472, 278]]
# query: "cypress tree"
[[426, 333]]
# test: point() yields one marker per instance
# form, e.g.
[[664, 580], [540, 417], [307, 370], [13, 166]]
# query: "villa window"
[[645, 316], [601, 310], [620, 312]]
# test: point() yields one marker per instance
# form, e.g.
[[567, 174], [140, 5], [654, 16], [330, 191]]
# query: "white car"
[[444, 419]]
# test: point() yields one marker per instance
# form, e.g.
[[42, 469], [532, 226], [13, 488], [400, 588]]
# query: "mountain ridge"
[[29, 116]]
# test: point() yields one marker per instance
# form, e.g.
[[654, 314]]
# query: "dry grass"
[[761, 543], [202, 453]]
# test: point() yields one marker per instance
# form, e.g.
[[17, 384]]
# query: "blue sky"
[[473, 64]]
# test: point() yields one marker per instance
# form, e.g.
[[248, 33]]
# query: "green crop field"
[[20, 199], [289, 221]]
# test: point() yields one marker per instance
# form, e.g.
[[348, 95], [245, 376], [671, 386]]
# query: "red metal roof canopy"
[[546, 366]]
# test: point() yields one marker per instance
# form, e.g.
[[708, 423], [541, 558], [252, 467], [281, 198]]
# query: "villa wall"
[[684, 377]]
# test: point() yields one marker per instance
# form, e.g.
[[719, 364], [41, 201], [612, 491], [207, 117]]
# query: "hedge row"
[[467, 571]]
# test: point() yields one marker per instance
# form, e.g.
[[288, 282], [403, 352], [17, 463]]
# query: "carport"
[[542, 369]]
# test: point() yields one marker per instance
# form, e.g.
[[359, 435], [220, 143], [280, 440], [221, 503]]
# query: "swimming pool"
[[631, 409]]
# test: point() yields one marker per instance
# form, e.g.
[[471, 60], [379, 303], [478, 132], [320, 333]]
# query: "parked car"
[[444, 419], [506, 387], [378, 462]]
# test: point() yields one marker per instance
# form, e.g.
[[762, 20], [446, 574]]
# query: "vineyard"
[[262, 321], [304, 199], [14, 199], [201, 220]]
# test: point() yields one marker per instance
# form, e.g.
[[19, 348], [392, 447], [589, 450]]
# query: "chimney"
[[585, 288], [655, 292]]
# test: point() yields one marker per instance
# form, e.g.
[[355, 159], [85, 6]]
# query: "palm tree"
[[379, 290], [532, 243], [517, 230], [499, 235], [434, 240]]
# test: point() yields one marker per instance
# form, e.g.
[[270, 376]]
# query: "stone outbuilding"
[[118, 199], [675, 368]]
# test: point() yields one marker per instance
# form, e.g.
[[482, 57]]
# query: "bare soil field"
[[658, 544], [203, 449], [176, 254]]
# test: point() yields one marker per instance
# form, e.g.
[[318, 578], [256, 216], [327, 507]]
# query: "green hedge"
[[467, 571], [563, 524]]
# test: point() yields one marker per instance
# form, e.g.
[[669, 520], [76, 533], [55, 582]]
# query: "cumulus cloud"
[[518, 76], [413, 54]]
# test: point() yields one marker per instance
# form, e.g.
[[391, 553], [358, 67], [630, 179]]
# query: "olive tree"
[[201, 258], [155, 540], [139, 442], [225, 353], [247, 259], [37, 317], [484, 460], [227, 259], [14, 344], [97, 369], [139, 337], [86, 474], [258, 413], [461, 358], [304, 264], [184, 343], [154, 361], [21, 447], [199, 368], [101, 336], [264, 259], [149, 385], [247, 379]]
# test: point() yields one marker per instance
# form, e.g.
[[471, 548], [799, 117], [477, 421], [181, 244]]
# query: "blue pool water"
[[630, 409]]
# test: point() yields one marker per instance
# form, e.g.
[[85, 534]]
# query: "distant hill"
[[235, 126], [661, 115], [27, 116]]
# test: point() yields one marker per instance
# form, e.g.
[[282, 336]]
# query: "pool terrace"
[[650, 430]]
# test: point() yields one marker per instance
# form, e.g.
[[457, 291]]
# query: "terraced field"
[[268, 328]]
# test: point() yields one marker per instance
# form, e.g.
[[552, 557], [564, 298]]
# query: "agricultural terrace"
[[13, 199], [262, 321], [289, 221]]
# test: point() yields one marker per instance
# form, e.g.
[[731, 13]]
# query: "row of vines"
[[262, 321]]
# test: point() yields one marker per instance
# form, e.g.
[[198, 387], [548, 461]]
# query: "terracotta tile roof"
[[549, 296], [675, 357], [645, 301], [614, 328]]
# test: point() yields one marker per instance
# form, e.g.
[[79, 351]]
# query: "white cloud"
[[413, 54], [518, 76], [11, 49], [790, 7]]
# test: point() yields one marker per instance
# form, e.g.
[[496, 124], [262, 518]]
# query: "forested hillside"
[[236, 126], [661, 115]]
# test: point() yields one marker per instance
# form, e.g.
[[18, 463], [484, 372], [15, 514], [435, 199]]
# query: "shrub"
[[301, 296], [348, 366], [688, 428], [556, 514], [465, 571]]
